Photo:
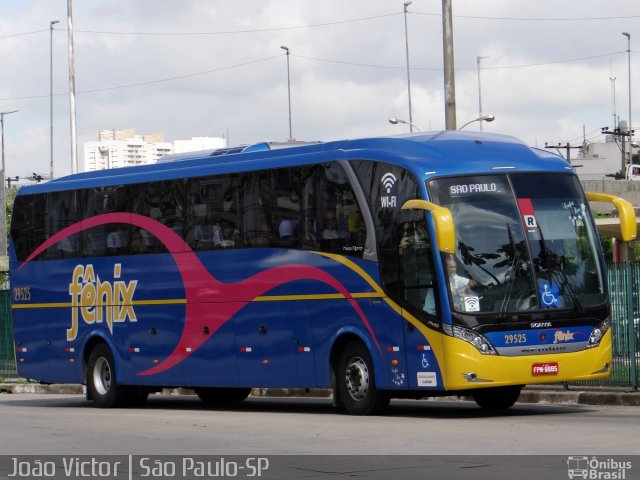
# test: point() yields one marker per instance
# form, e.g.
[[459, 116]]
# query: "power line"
[[533, 19], [234, 32], [22, 34], [336, 22], [497, 67], [316, 59], [151, 82]]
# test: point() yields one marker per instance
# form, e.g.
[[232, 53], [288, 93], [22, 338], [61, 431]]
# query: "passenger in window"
[[138, 243], [411, 237], [114, 243], [204, 236], [332, 236], [292, 202], [229, 236], [354, 225], [330, 231], [265, 236], [68, 247]]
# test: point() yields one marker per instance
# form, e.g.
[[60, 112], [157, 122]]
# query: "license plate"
[[550, 368]]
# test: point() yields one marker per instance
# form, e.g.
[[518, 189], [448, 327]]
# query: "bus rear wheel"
[[212, 395], [101, 379], [497, 398], [355, 382]]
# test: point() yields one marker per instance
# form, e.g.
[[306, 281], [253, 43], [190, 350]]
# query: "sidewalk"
[[533, 394]]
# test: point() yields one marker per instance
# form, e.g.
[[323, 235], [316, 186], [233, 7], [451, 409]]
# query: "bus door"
[[265, 344], [419, 299]]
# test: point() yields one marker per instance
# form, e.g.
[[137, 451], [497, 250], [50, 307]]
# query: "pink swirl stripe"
[[207, 297]]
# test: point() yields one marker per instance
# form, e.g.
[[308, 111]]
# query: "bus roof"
[[444, 153]]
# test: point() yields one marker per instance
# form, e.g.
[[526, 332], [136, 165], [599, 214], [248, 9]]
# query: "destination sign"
[[473, 188]]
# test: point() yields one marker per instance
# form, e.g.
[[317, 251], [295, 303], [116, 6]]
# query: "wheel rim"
[[102, 376], [357, 378]]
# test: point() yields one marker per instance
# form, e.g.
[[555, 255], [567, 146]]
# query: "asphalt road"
[[34, 424]]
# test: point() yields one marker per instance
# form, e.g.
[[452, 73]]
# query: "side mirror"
[[626, 212], [442, 220]]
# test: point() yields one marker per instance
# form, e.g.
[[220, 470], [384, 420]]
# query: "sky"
[[216, 68]]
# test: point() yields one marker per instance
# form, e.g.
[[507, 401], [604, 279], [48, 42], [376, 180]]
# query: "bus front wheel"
[[101, 379], [356, 384], [497, 398]]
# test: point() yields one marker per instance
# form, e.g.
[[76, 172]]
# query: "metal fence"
[[624, 288], [7, 356]]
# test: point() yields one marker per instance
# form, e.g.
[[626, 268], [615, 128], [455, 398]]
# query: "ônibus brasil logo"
[[99, 301]]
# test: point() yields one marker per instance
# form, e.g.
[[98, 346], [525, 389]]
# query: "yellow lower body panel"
[[466, 368]]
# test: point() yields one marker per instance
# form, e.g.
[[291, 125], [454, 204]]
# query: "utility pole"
[[566, 146], [449, 70], [623, 133], [51, 24], [72, 89], [406, 41]]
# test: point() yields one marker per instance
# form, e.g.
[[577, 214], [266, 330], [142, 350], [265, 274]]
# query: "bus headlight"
[[479, 341], [598, 333]]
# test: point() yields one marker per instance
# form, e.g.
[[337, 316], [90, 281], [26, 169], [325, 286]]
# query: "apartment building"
[[124, 148]]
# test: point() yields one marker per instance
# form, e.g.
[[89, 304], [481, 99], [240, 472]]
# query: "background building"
[[124, 148]]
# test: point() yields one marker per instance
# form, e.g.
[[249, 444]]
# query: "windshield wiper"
[[512, 275], [566, 286], [561, 277]]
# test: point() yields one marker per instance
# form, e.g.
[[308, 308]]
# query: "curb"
[[556, 397]]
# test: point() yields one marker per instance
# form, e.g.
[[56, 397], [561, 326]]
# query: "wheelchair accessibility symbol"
[[549, 295]]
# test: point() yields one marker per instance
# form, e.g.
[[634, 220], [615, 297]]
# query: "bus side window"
[[333, 220], [63, 211], [164, 202], [110, 239], [27, 230]]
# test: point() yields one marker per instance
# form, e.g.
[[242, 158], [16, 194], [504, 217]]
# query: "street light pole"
[[51, 24], [3, 195], [406, 41], [286, 49], [484, 118], [72, 89], [628, 35], [478, 58], [396, 121]]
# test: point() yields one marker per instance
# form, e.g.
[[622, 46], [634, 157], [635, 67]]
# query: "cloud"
[[347, 72]]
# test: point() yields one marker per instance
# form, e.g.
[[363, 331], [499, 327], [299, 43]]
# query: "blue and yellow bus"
[[406, 267]]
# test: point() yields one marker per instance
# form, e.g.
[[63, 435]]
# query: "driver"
[[460, 287]]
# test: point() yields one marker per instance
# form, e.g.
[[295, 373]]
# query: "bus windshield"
[[524, 242]]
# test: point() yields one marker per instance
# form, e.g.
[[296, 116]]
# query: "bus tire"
[[497, 398], [355, 382], [213, 395], [101, 379]]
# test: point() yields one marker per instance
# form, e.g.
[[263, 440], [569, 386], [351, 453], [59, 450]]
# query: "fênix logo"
[[98, 301]]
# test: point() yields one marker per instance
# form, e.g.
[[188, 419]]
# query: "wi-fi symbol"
[[472, 304], [388, 180]]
